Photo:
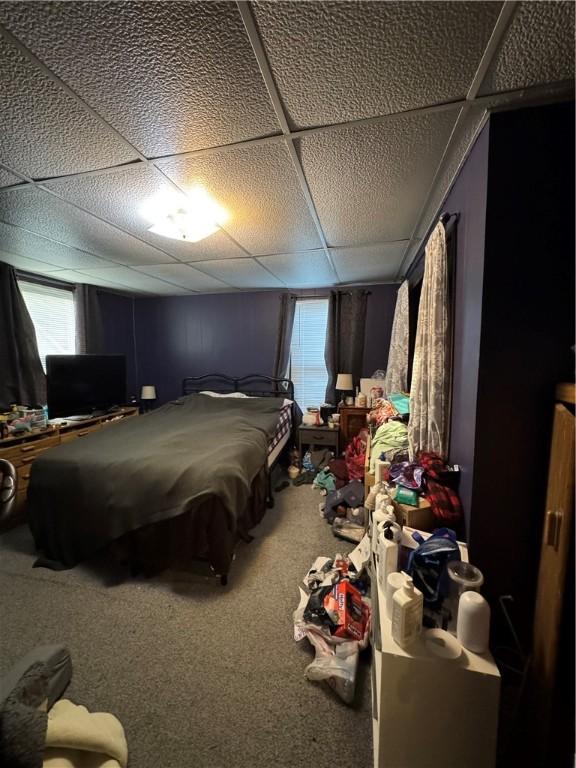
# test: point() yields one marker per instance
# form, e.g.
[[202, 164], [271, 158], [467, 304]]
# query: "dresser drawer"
[[24, 454], [67, 437], [319, 437]]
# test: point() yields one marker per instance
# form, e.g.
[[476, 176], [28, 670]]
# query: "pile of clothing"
[[345, 512], [431, 477], [334, 614]]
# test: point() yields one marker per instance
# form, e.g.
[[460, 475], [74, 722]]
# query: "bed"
[[182, 482]]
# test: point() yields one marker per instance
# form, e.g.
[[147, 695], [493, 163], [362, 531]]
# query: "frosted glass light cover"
[[148, 393]]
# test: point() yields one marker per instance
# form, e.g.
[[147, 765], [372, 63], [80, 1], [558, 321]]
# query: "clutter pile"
[[334, 614]]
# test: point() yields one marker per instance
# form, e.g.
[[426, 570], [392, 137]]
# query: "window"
[[307, 366], [52, 312]]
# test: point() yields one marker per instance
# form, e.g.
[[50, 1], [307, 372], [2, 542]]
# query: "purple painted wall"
[[232, 333], [181, 336], [117, 319], [468, 198]]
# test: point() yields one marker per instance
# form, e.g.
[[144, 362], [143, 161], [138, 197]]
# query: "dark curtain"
[[285, 325], [22, 379], [89, 325], [345, 334]]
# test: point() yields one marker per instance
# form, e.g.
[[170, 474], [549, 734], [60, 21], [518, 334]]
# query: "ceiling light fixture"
[[189, 217]]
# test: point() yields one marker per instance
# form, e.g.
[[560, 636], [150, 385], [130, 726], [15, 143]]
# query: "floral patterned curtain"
[[397, 368], [430, 387]]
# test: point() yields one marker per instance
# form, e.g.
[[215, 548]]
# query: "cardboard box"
[[420, 517]]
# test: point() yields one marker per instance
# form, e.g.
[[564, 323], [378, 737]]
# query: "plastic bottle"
[[407, 612], [387, 551], [473, 625]]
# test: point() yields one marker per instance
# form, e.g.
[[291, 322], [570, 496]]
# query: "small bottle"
[[407, 613], [387, 552]]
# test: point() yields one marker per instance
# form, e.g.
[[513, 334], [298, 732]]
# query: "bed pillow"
[[230, 394]]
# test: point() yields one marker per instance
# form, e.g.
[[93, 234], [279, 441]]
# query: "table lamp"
[[148, 397], [344, 384]]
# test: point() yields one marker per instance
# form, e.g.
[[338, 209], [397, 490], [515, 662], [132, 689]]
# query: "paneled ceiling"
[[330, 131]]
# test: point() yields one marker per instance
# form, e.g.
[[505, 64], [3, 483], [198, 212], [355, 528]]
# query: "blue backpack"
[[427, 564]]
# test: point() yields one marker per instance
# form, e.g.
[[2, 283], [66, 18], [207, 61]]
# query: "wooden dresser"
[[21, 450], [352, 420]]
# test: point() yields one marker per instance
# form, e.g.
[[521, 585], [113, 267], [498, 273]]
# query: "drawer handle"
[[27, 448], [25, 477], [28, 459], [83, 432]]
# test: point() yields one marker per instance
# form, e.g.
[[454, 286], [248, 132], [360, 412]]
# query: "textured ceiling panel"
[[170, 76], [45, 214], [130, 278], [242, 273], [44, 131], [27, 265], [72, 276], [301, 270], [369, 183], [118, 197], [370, 262], [7, 178], [184, 276], [538, 48], [467, 131], [259, 188], [338, 61], [24, 243]]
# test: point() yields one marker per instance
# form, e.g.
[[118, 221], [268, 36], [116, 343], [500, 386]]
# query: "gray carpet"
[[201, 676]]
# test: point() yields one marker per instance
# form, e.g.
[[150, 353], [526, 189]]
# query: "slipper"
[[281, 486]]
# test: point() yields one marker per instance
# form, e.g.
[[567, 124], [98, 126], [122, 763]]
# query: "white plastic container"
[[387, 550], [473, 626], [394, 582], [407, 612]]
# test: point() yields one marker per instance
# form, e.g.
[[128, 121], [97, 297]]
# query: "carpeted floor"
[[201, 676]]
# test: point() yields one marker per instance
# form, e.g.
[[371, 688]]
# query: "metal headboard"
[[255, 385]]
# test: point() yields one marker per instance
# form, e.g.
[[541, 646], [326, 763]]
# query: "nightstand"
[[352, 420], [320, 436]]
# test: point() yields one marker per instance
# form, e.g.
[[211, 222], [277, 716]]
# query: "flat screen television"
[[81, 384]]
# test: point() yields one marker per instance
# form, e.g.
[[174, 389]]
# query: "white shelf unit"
[[430, 712]]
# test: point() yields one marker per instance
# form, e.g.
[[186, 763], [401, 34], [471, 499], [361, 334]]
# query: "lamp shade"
[[148, 393], [344, 382]]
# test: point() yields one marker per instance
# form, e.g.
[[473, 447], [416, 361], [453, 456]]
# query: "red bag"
[[355, 455]]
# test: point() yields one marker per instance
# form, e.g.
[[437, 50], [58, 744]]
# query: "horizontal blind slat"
[[52, 312], [308, 369]]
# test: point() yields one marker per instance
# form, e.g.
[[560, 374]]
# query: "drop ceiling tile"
[[7, 178], [26, 265], [538, 48], [130, 278], [259, 188], [241, 273], [301, 270], [463, 141], [21, 242], [118, 198], [368, 262], [171, 76], [369, 183], [72, 276], [339, 61], [44, 131], [44, 214], [184, 276]]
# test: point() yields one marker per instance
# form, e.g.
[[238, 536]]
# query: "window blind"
[[53, 315], [307, 366]]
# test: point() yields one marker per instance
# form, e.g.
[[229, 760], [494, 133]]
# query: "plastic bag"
[[335, 665]]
